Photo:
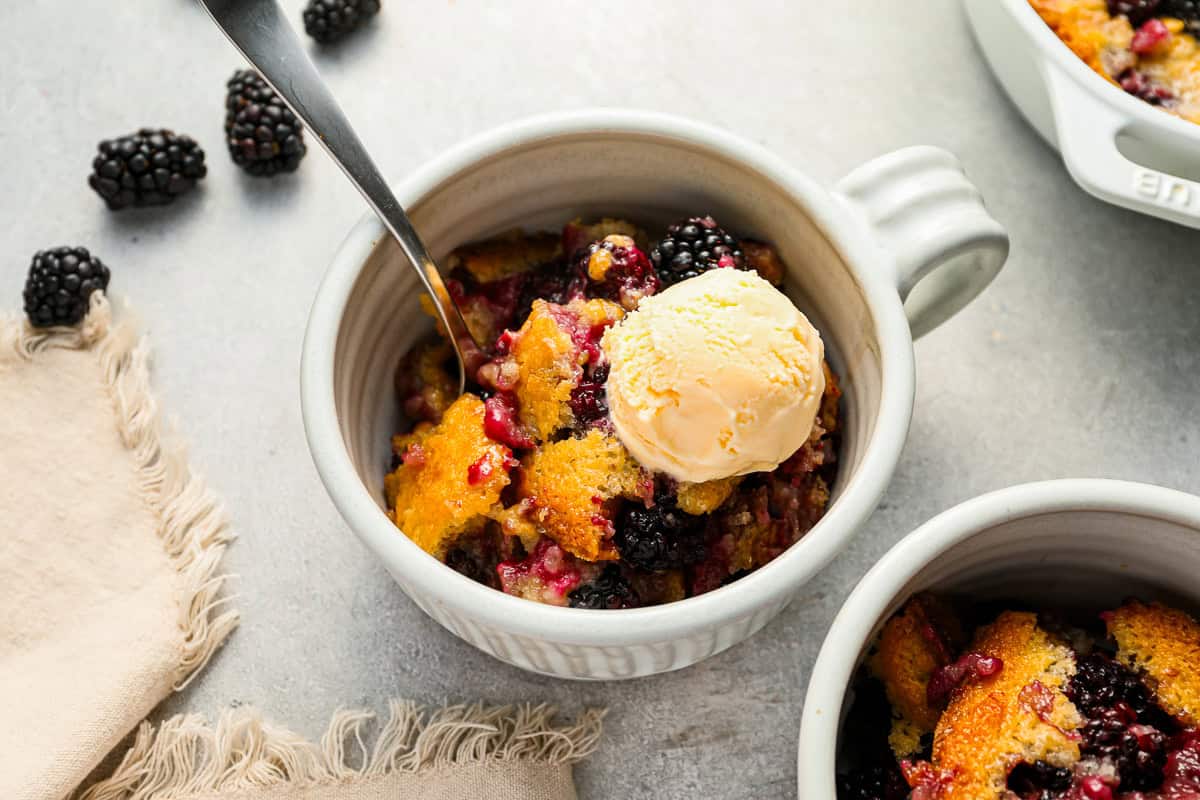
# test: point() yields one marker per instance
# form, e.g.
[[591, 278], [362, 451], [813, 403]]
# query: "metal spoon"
[[258, 29]]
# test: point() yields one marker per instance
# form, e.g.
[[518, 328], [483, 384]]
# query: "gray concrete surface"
[[1081, 360]]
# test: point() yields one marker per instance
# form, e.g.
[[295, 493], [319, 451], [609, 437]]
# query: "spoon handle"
[[259, 31]]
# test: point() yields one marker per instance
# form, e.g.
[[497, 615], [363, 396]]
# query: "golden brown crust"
[[1019, 714], [506, 255], [1164, 643], [548, 364], [911, 646], [431, 495], [571, 485], [764, 259], [548, 370], [707, 497]]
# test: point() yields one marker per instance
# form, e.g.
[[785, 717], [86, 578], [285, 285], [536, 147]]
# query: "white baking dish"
[[1117, 147]]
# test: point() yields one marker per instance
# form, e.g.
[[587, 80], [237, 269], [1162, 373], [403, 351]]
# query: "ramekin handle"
[[1087, 136], [942, 245]]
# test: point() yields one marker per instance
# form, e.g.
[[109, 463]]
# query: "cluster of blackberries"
[[693, 246], [154, 166]]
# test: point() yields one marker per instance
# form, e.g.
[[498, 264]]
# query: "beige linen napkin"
[[452, 754], [110, 599], [109, 593]]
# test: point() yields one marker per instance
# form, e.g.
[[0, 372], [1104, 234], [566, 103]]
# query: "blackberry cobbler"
[[525, 484], [1147, 47], [1027, 706]]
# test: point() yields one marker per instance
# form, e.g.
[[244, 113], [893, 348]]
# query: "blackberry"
[[329, 20], [610, 590], [554, 282], [693, 246], [1143, 88], [263, 135], [616, 269], [875, 783], [1138, 751], [1039, 780], [147, 168], [473, 566], [1186, 10], [60, 285], [660, 537], [1101, 682], [1136, 11], [589, 400]]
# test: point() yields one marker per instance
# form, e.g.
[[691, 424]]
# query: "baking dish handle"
[[940, 243], [1087, 136]]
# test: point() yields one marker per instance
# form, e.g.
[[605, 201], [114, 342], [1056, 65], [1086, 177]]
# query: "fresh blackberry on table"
[[660, 537], [608, 591], [148, 168], [263, 135], [693, 246], [60, 285], [1101, 682], [329, 20], [876, 783]]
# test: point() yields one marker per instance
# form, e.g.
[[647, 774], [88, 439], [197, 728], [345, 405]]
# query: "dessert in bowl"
[[900, 246], [1038, 642], [1117, 101], [1145, 47], [641, 425]]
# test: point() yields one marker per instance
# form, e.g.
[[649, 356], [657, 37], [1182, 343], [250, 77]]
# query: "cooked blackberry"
[[147, 168], [608, 591], [1137, 11], [1138, 751], [329, 20], [1039, 780], [477, 559], [60, 285], [589, 400], [554, 282], [1143, 88], [616, 269], [1186, 10], [263, 135], [1101, 682], [660, 537], [693, 246], [876, 783]]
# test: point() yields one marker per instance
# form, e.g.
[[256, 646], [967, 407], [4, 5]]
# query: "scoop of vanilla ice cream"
[[719, 375]]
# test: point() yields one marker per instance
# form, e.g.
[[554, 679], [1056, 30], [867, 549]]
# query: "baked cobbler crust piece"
[[1164, 644], [1146, 47], [1029, 707], [1018, 715], [449, 478], [523, 484]]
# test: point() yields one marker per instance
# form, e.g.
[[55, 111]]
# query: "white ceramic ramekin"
[[1086, 544], [907, 225], [1117, 147]]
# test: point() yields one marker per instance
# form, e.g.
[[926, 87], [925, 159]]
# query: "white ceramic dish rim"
[[856, 500], [1054, 48], [873, 595]]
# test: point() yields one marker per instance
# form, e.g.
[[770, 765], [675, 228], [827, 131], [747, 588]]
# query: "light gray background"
[[1079, 361]]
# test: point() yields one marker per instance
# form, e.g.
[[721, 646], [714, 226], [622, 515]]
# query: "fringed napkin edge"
[[192, 526], [186, 756]]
